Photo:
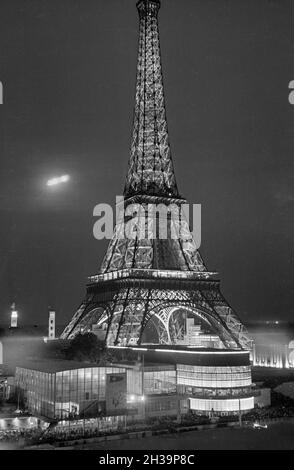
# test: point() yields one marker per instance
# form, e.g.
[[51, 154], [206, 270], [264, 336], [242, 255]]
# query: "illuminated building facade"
[[57, 393], [68, 390], [194, 336], [171, 382], [208, 380]]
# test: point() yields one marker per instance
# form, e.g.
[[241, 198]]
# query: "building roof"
[[53, 366], [147, 365]]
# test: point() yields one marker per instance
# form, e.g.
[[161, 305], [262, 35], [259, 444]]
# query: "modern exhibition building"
[[164, 382]]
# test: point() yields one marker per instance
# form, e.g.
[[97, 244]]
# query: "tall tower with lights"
[[13, 316], [51, 325], [148, 287]]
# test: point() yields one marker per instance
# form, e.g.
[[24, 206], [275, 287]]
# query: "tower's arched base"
[[130, 310]]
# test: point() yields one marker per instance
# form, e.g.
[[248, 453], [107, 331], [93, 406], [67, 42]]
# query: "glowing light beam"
[[58, 180]]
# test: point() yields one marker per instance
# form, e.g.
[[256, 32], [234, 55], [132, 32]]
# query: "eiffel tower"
[[147, 288]]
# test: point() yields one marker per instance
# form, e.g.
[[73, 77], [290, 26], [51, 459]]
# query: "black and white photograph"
[[146, 229]]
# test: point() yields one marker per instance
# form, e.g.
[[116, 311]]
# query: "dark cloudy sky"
[[68, 70]]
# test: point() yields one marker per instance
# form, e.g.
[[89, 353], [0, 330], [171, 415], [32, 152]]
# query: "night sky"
[[68, 69]]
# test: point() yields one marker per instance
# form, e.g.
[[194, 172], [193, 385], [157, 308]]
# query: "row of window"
[[213, 369], [242, 404], [217, 377], [213, 383], [187, 390]]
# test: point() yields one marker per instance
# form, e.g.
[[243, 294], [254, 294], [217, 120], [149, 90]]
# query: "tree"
[[85, 347]]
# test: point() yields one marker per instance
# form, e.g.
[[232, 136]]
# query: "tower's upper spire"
[[150, 167]]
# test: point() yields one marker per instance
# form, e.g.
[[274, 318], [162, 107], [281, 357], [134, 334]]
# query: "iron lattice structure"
[[149, 283], [150, 166]]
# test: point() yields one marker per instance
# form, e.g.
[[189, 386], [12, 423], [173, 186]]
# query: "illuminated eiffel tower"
[[148, 288]]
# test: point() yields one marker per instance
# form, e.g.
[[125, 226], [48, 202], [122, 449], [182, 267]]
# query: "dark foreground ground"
[[279, 436]]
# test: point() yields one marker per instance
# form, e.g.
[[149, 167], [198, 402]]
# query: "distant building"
[[63, 390], [13, 317], [262, 398], [194, 336]]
